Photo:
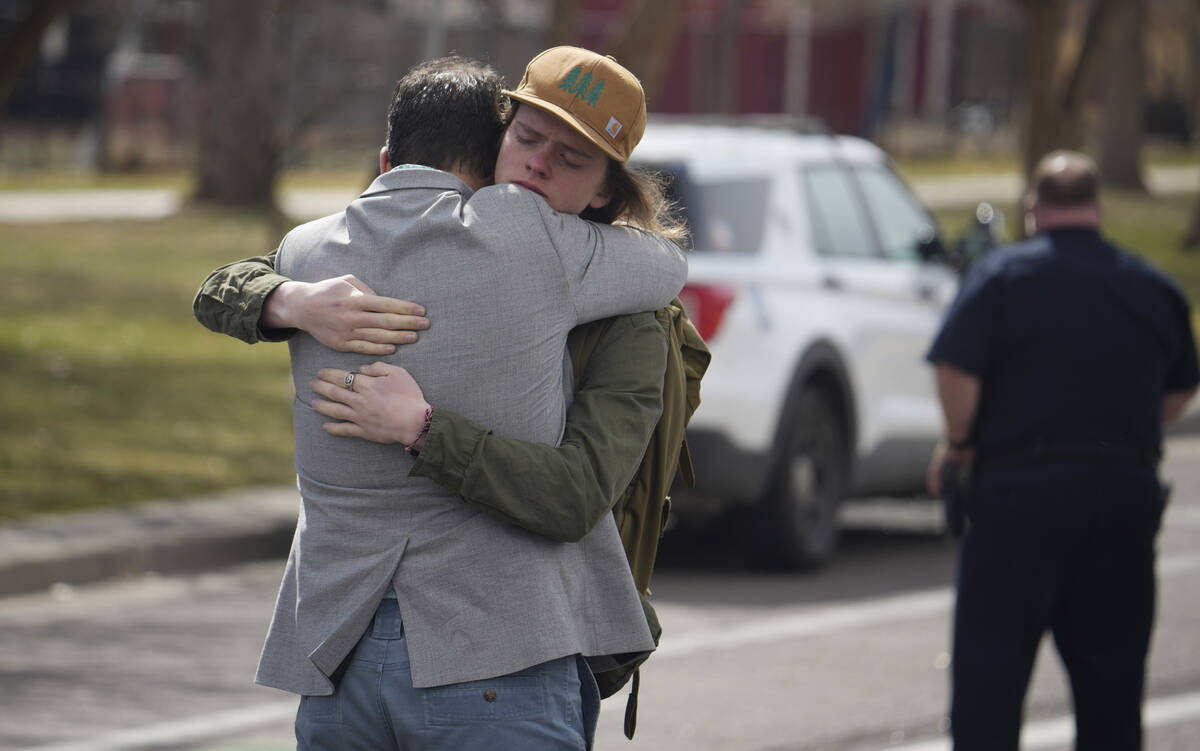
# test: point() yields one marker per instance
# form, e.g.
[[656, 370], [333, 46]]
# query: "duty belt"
[[1045, 450]]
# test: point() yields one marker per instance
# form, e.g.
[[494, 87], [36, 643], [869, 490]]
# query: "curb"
[[164, 537]]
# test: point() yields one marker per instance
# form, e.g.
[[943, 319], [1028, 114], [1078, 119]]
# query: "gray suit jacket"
[[504, 278]]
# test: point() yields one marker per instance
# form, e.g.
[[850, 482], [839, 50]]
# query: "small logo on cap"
[[613, 127], [582, 87]]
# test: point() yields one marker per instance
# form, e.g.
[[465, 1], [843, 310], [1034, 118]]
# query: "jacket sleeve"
[[230, 301], [562, 492], [614, 269], [608, 269]]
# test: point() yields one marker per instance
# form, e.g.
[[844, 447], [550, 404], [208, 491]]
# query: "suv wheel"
[[796, 522]]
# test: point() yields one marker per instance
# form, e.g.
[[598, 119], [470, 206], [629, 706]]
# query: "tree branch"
[[646, 40], [1097, 21]]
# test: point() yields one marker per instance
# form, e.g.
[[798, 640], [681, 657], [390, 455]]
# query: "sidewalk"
[[163, 537], [38, 206], [967, 190], [158, 203]]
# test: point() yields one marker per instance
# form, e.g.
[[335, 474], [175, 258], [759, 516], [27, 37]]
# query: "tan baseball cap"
[[591, 92]]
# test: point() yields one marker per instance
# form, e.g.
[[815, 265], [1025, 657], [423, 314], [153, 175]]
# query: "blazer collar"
[[406, 179]]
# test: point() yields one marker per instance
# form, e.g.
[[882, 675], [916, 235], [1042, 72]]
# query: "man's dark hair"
[[448, 114], [1066, 178]]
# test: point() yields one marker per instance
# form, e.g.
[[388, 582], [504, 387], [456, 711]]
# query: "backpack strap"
[[631, 705], [641, 514], [690, 356]]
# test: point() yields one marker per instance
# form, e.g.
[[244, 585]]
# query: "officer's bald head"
[[1065, 192], [1066, 178]]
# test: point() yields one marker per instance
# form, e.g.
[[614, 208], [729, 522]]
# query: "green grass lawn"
[[1151, 226], [1155, 155], [111, 392]]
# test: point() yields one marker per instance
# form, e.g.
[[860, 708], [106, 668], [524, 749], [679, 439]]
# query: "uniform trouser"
[[552, 706], [1069, 548]]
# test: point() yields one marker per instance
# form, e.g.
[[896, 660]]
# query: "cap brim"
[[562, 114]]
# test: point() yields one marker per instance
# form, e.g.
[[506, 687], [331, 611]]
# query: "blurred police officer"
[[1058, 366]]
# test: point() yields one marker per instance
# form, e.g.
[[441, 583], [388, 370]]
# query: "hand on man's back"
[[345, 314]]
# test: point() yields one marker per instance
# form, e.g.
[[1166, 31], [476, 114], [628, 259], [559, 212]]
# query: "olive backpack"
[[641, 514]]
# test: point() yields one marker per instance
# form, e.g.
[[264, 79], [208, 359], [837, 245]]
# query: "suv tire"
[[796, 523]]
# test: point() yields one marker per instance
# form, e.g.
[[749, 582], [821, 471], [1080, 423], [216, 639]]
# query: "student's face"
[[541, 153]]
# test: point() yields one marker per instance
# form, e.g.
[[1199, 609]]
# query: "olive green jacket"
[[558, 492]]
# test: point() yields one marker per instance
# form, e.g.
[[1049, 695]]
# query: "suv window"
[[839, 226], [902, 225], [723, 215]]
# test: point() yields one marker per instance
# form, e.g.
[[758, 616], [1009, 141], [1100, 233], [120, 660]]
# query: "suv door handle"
[[832, 283]]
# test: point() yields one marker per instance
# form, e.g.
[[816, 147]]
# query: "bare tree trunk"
[[646, 42], [19, 48], [1192, 19], [1191, 240], [241, 136], [1054, 101], [1098, 21], [1044, 21], [729, 36], [563, 16], [1123, 127], [274, 68]]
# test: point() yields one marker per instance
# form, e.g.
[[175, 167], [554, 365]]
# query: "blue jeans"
[[375, 707]]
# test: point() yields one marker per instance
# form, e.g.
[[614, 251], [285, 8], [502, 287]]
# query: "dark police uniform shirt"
[[1073, 339]]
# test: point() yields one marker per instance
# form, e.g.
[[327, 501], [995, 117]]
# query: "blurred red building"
[[851, 64], [915, 75]]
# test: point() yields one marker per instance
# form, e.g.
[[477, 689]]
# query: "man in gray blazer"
[[492, 620]]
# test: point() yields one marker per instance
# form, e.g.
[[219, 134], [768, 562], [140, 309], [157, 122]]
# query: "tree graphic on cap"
[[583, 87], [594, 95], [568, 82]]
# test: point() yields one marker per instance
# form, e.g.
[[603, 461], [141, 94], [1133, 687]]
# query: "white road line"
[[821, 621], [1168, 710], [195, 730], [1178, 563], [837, 618], [1060, 731], [1183, 517], [1183, 448]]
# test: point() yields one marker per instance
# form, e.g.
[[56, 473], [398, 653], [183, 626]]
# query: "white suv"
[[818, 281]]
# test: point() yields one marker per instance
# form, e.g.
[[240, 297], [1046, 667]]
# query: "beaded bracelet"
[[424, 431]]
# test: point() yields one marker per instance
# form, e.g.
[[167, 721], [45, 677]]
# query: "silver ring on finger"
[[349, 381]]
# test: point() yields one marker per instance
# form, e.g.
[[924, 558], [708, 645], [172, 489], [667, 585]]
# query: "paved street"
[[853, 658]]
